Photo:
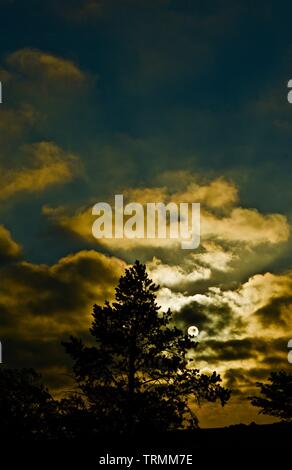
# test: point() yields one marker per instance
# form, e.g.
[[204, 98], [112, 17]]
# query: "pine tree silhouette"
[[138, 375], [277, 396]]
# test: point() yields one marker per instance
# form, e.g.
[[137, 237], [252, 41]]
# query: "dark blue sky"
[[173, 85]]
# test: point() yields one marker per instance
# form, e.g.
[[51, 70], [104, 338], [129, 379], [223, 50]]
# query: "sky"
[[158, 100]]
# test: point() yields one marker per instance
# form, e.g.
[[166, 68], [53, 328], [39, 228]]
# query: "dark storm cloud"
[[209, 318], [193, 313], [63, 289], [230, 350], [42, 305], [235, 378], [243, 381], [272, 313], [254, 348]]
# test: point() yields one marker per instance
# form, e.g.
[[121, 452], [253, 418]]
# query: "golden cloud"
[[258, 292], [9, 249], [246, 225], [262, 299], [220, 218], [51, 166], [218, 193], [44, 302]]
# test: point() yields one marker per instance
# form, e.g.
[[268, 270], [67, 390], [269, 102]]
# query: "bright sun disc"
[[193, 331]]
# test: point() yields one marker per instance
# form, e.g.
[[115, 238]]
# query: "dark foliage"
[[277, 396], [25, 404]]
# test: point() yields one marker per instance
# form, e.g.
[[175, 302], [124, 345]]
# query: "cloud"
[[13, 122], [212, 320], [261, 304], [42, 304], [35, 63], [9, 249], [182, 186], [216, 257], [211, 287], [172, 276], [218, 193], [43, 90], [168, 299], [247, 225], [52, 296], [257, 292], [50, 166], [40, 91], [234, 349], [242, 361], [221, 218], [277, 312], [245, 329], [41, 87]]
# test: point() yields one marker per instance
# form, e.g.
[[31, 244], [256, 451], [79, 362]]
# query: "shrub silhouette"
[[277, 396], [138, 375], [25, 405]]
